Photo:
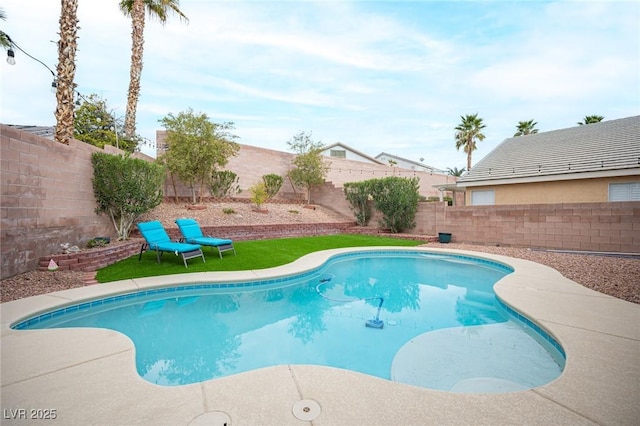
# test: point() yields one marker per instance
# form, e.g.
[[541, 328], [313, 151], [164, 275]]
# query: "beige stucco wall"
[[563, 191]]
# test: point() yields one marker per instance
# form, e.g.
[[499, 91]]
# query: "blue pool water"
[[191, 334]]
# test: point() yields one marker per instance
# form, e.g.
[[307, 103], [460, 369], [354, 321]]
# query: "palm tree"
[[590, 119], [455, 171], [4, 38], [467, 132], [65, 87], [136, 10], [526, 128]]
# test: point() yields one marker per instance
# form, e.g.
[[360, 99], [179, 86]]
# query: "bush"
[[125, 188], [272, 183], [397, 199], [228, 210], [98, 242], [259, 194], [358, 195], [223, 183]]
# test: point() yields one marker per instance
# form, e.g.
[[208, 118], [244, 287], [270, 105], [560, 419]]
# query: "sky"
[[378, 76]]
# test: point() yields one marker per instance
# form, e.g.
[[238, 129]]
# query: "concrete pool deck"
[[88, 376]]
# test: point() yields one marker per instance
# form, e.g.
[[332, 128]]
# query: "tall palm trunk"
[[137, 50], [66, 71]]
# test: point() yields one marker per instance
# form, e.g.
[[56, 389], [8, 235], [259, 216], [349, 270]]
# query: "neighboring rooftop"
[[42, 131], [340, 150], [600, 147], [384, 157]]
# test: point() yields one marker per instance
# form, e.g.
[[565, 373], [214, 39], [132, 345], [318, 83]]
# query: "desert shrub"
[[125, 188], [223, 183], [259, 194], [397, 199], [272, 183], [358, 195], [228, 210]]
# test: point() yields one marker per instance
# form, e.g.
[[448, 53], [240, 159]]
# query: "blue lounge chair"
[[192, 233], [156, 239]]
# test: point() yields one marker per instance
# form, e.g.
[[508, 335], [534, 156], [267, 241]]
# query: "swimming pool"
[[194, 333]]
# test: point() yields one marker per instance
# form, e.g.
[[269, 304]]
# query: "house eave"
[[634, 171]]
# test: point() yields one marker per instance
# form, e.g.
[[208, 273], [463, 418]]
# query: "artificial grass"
[[258, 254]]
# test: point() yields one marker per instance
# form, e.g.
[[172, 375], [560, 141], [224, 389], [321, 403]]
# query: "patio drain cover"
[[212, 418], [306, 409]]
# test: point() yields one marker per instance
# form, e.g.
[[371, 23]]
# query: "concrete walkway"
[[88, 376]]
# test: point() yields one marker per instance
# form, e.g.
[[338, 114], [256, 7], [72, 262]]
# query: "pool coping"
[[88, 375]]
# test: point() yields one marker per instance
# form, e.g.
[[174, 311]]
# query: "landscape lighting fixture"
[[11, 57], [54, 85]]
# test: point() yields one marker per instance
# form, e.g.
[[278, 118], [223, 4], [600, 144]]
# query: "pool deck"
[[88, 376]]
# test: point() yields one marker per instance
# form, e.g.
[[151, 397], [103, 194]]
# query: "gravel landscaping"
[[613, 275]]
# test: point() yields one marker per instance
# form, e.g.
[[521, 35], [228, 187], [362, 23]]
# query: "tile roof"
[[42, 131], [599, 147]]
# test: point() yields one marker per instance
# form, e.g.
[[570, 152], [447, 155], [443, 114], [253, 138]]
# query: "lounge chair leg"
[[142, 249]]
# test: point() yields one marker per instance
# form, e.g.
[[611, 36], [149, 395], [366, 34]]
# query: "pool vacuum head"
[[374, 323]]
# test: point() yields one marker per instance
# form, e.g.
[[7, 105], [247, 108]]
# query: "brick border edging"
[[94, 259]]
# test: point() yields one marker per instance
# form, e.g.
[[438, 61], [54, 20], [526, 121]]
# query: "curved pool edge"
[[84, 372]]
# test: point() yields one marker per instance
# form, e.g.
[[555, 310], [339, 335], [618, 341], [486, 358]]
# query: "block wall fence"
[[608, 227], [46, 199], [253, 162]]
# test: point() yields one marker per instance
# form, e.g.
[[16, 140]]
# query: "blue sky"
[[378, 76]]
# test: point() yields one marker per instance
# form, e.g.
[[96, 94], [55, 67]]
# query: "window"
[[338, 153], [628, 191], [483, 198]]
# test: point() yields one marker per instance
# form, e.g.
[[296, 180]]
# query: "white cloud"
[[379, 76]]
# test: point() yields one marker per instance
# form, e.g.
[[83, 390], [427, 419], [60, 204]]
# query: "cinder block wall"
[[254, 162], [611, 226], [46, 198]]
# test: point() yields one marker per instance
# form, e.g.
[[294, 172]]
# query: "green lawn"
[[257, 254]]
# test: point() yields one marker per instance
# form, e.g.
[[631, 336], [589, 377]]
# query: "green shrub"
[[125, 188], [272, 183], [358, 195], [98, 242], [228, 210], [223, 183], [397, 199], [259, 194]]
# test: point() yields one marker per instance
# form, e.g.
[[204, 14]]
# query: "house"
[[406, 163], [597, 162], [340, 150]]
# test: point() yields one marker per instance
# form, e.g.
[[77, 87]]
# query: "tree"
[[467, 133], [65, 87], [310, 168], [455, 171], [590, 119], [5, 41], [96, 125], [526, 128], [196, 147], [125, 188], [136, 9]]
